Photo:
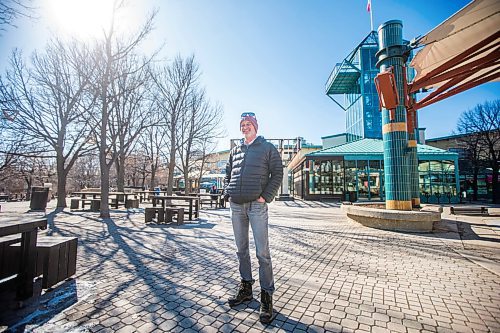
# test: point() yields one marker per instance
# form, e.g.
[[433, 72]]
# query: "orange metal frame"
[[456, 73]]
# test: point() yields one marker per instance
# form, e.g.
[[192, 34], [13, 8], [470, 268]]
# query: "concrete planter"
[[396, 220]]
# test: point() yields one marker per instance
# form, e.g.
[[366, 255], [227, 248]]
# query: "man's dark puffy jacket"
[[253, 171]]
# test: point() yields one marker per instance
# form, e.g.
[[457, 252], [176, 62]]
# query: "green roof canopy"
[[373, 149]]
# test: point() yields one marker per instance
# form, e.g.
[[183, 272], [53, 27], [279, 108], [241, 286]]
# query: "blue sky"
[[271, 57]]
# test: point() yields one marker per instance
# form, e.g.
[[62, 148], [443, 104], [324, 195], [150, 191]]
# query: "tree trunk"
[[104, 188], [152, 182], [120, 171], [187, 183], [171, 167], [29, 182], [102, 160], [171, 163], [61, 184]]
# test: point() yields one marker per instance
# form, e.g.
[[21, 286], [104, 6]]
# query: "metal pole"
[[413, 157]]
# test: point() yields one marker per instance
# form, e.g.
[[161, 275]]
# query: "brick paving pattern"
[[332, 275]]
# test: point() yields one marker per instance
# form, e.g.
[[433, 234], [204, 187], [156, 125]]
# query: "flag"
[[369, 6]]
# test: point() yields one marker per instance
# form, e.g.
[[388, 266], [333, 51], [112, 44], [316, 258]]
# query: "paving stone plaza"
[[332, 275]]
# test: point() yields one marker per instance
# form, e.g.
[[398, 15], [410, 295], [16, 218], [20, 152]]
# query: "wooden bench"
[[116, 203], [214, 199], [468, 211], [75, 203], [210, 201], [154, 212], [8, 267], [191, 203], [95, 204], [132, 203], [56, 258], [171, 211]]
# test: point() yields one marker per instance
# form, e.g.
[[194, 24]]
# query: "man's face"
[[248, 130]]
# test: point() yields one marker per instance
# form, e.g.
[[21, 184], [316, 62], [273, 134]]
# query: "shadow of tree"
[[182, 275], [153, 268]]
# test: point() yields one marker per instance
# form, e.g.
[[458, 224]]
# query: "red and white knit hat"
[[250, 116]]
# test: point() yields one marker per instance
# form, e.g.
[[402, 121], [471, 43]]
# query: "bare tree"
[[482, 125], [14, 150], [33, 170], [109, 55], [10, 10], [9, 156], [136, 170], [175, 83], [474, 151], [153, 143], [199, 128], [133, 111], [85, 173], [49, 99]]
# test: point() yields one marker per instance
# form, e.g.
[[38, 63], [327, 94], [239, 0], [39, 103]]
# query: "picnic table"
[[191, 201], [84, 195], [216, 198], [145, 194], [27, 266]]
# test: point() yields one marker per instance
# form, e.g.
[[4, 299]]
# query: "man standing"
[[253, 176]]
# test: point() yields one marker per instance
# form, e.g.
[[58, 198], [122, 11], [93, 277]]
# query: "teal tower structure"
[[353, 78], [398, 175], [398, 125]]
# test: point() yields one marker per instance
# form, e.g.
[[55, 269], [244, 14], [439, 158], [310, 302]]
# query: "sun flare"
[[83, 18]]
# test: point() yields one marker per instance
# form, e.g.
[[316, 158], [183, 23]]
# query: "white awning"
[[461, 52]]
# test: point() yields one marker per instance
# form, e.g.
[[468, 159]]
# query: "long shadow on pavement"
[[151, 272]]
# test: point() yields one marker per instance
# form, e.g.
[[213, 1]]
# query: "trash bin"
[[353, 196], [39, 198]]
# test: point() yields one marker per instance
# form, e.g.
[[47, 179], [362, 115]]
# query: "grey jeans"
[[254, 214]]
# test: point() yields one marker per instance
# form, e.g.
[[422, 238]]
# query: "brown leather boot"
[[266, 307], [244, 294]]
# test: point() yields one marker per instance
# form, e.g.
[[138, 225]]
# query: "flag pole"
[[371, 16]]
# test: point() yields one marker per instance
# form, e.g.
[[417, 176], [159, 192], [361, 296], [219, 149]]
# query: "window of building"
[[325, 177], [350, 175], [437, 178]]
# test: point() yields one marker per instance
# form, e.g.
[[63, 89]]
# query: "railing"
[[286, 147], [333, 74]]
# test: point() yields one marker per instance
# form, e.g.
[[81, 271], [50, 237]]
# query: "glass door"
[[375, 182], [369, 184], [363, 184]]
